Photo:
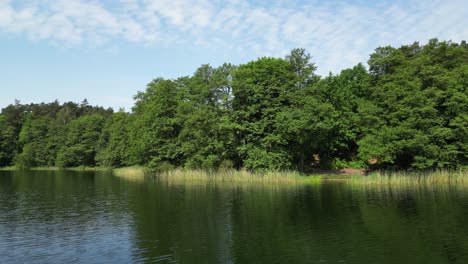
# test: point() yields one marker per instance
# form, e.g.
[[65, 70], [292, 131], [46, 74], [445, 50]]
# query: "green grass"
[[402, 178], [197, 177], [134, 173], [235, 177], [227, 177]]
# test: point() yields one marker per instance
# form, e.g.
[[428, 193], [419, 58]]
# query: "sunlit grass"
[[402, 178], [134, 173], [225, 177], [236, 177]]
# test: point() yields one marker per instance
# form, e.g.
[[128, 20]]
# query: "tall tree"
[[81, 143], [7, 142], [114, 141], [260, 91], [420, 104], [206, 137], [156, 128]]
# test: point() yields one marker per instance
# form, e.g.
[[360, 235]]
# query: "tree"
[[114, 141], [33, 140], [7, 142], [260, 91], [156, 128], [206, 137], [12, 122], [409, 110], [81, 142], [419, 104]]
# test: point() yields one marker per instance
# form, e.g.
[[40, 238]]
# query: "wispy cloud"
[[336, 34]]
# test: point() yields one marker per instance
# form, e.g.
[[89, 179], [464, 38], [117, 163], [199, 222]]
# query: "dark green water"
[[88, 217]]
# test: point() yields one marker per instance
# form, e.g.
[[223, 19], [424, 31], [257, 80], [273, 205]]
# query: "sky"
[[107, 50]]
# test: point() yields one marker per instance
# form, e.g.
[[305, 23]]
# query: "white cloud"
[[337, 35]]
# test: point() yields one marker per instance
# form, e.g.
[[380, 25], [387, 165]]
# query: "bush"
[[353, 164], [260, 159], [226, 165], [160, 167], [69, 157]]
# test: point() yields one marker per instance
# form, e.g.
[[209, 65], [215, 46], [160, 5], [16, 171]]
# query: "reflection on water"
[[62, 217]]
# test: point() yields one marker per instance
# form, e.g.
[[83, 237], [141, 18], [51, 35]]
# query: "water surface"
[[94, 217]]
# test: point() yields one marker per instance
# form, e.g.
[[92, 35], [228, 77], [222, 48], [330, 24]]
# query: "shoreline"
[[377, 178], [13, 168]]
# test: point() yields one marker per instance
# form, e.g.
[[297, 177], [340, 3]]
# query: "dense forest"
[[407, 110]]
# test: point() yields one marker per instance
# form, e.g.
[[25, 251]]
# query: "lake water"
[[94, 217]]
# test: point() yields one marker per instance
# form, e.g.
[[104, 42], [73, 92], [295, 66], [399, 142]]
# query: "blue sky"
[[108, 50]]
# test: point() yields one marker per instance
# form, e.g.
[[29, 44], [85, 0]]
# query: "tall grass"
[[404, 178], [225, 177], [234, 177], [134, 173]]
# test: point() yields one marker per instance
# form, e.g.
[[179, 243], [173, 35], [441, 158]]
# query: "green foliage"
[[258, 159], [34, 135], [26, 159], [261, 90], [161, 167], [419, 101], [7, 142], [156, 128], [353, 164], [81, 142], [114, 141], [226, 165], [409, 110], [206, 136], [11, 122]]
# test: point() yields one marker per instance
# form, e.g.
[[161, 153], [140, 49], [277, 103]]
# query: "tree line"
[[407, 110]]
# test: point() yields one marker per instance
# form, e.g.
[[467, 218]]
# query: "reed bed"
[[406, 178], [225, 177], [441, 178], [134, 173]]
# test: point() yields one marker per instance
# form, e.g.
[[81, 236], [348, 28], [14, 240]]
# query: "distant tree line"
[[408, 110]]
